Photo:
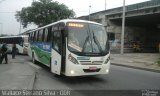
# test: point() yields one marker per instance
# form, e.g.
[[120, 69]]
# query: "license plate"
[[92, 68]]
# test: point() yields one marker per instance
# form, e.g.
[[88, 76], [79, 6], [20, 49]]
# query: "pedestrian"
[[4, 50], [14, 51]]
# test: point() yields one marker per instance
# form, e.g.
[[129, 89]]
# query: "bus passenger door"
[[56, 53]]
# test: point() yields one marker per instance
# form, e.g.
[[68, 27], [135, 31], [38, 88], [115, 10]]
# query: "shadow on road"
[[72, 80]]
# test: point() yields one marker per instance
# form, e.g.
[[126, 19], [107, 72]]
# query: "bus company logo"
[[47, 47], [55, 62]]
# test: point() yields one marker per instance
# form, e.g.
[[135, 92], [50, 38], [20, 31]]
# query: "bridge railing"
[[137, 6]]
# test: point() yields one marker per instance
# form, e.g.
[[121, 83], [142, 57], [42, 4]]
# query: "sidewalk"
[[144, 61], [17, 74]]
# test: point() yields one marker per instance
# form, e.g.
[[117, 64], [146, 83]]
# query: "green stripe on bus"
[[42, 55]]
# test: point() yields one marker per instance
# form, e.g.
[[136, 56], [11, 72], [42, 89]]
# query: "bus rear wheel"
[[50, 65], [33, 59]]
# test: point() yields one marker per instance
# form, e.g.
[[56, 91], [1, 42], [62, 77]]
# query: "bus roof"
[[14, 36], [77, 20], [12, 39], [65, 21]]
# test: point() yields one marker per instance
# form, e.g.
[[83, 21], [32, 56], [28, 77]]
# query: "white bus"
[[71, 47], [21, 42]]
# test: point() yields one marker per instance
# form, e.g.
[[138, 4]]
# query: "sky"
[[8, 8]]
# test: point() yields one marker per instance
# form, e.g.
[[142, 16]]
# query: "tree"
[[43, 12]]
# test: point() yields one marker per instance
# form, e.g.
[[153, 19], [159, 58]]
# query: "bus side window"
[[63, 34], [30, 37], [34, 36], [49, 34], [40, 35], [45, 35], [56, 39], [37, 36]]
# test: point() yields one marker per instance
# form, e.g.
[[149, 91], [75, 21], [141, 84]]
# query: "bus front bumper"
[[83, 70]]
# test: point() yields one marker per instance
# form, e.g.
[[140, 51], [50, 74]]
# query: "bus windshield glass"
[[87, 39]]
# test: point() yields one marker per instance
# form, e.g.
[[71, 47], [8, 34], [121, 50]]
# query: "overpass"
[[142, 14], [142, 24]]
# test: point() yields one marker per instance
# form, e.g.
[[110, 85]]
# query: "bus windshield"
[[87, 39]]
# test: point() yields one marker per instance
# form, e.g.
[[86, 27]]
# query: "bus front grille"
[[91, 62]]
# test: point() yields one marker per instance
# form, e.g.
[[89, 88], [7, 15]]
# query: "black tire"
[[57, 76], [50, 65], [17, 51], [33, 59]]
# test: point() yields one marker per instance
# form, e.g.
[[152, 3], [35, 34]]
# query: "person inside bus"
[[4, 50], [14, 49]]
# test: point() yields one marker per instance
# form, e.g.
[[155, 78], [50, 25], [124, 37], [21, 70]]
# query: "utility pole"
[[105, 5], [1, 23], [89, 12], [20, 27], [1, 28], [123, 28]]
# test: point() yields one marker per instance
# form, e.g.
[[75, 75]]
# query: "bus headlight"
[[72, 72], [72, 59], [107, 60], [107, 71]]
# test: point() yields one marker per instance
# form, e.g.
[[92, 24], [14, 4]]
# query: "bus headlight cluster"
[[72, 59], [107, 60], [72, 72], [107, 71]]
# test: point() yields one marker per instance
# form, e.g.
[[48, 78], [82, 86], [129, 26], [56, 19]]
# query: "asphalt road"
[[120, 78]]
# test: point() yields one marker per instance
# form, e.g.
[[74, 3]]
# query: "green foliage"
[[43, 12]]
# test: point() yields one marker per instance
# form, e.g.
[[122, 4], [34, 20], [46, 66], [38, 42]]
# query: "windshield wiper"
[[85, 42], [97, 43]]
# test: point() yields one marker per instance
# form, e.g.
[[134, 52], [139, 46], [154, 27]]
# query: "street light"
[[123, 28]]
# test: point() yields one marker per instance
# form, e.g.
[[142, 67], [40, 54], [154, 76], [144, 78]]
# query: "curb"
[[134, 67], [32, 81]]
